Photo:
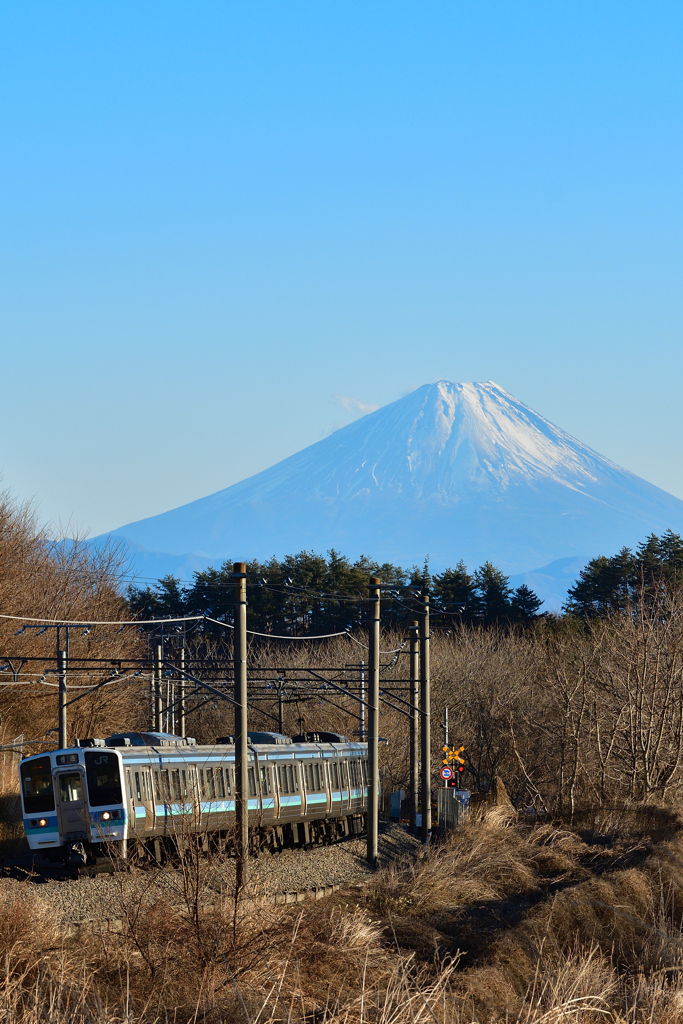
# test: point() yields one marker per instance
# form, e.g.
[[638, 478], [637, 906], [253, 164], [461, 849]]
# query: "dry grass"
[[504, 922]]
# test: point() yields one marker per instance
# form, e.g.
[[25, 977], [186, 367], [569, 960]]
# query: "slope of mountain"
[[451, 471]]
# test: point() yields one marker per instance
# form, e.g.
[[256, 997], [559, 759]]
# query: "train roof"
[[193, 751]]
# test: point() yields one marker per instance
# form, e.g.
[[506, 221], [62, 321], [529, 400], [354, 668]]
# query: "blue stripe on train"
[[51, 826]]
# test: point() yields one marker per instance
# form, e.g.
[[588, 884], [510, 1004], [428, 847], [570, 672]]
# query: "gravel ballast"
[[108, 896]]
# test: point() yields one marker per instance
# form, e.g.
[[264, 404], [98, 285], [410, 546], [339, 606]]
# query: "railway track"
[[107, 895]]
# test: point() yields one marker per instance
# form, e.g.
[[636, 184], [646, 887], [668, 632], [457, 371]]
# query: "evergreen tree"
[[608, 585], [525, 604], [167, 599], [455, 593], [672, 558], [493, 593]]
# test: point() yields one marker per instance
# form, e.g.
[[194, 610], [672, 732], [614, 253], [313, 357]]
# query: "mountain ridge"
[[451, 471]]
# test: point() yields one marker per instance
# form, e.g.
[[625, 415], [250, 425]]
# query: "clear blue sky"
[[216, 217]]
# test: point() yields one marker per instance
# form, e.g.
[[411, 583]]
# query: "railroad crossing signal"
[[453, 758]]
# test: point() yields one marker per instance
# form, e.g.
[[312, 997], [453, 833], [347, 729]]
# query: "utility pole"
[[239, 575], [61, 673], [373, 722], [414, 632], [280, 708], [158, 714], [425, 708], [181, 692], [445, 727], [361, 704]]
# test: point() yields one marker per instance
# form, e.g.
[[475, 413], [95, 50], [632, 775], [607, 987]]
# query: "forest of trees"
[[308, 593], [629, 579]]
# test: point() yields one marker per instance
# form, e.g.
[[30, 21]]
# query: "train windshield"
[[36, 784], [104, 781]]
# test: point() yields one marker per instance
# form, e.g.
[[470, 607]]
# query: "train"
[[137, 796]]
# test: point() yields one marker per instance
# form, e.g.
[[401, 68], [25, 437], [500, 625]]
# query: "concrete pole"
[[373, 723], [181, 688], [241, 750], [158, 711], [414, 631], [280, 706], [361, 704], [425, 708], [61, 673]]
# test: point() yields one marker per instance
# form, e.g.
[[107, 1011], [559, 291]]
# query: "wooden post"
[[241, 749], [425, 708], [373, 723]]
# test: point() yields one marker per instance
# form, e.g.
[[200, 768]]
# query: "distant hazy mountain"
[[451, 471]]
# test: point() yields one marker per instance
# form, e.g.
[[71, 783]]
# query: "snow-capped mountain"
[[451, 471]]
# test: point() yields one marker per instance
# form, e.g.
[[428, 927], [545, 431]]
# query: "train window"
[[137, 786], [202, 789], [228, 780], [312, 776], [293, 782], [183, 784], [282, 773], [210, 784], [353, 774], [334, 774], [36, 784], [266, 789], [175, 780], [104, 782], [70, 787], [165, 787], [252, 782], [220, 784], [364, 768]]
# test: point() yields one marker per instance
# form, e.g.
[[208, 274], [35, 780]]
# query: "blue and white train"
[[134, 795]]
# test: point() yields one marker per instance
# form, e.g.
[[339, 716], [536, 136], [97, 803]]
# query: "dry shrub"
[[27, 923], [482, 860], [603, 948], [59, 578]]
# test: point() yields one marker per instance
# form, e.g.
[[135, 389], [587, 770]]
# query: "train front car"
[[72, 803]]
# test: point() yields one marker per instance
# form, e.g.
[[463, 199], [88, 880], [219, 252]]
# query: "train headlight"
[[43, 822], [106, 816]]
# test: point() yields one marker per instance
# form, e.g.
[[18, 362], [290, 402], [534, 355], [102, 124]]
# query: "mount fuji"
[[453, 471]]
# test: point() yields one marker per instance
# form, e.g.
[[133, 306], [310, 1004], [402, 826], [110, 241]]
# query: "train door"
[[147, 795], [141, 815], [269, 795], [333, 771], [72, 805], [345, 784]]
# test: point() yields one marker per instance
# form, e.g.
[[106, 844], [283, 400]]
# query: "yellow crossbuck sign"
[[453, 754]]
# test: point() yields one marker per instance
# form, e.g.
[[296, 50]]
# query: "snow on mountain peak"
[[444, 438], [450, 470]]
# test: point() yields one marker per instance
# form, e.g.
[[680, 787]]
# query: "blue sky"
[[226, 228]]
